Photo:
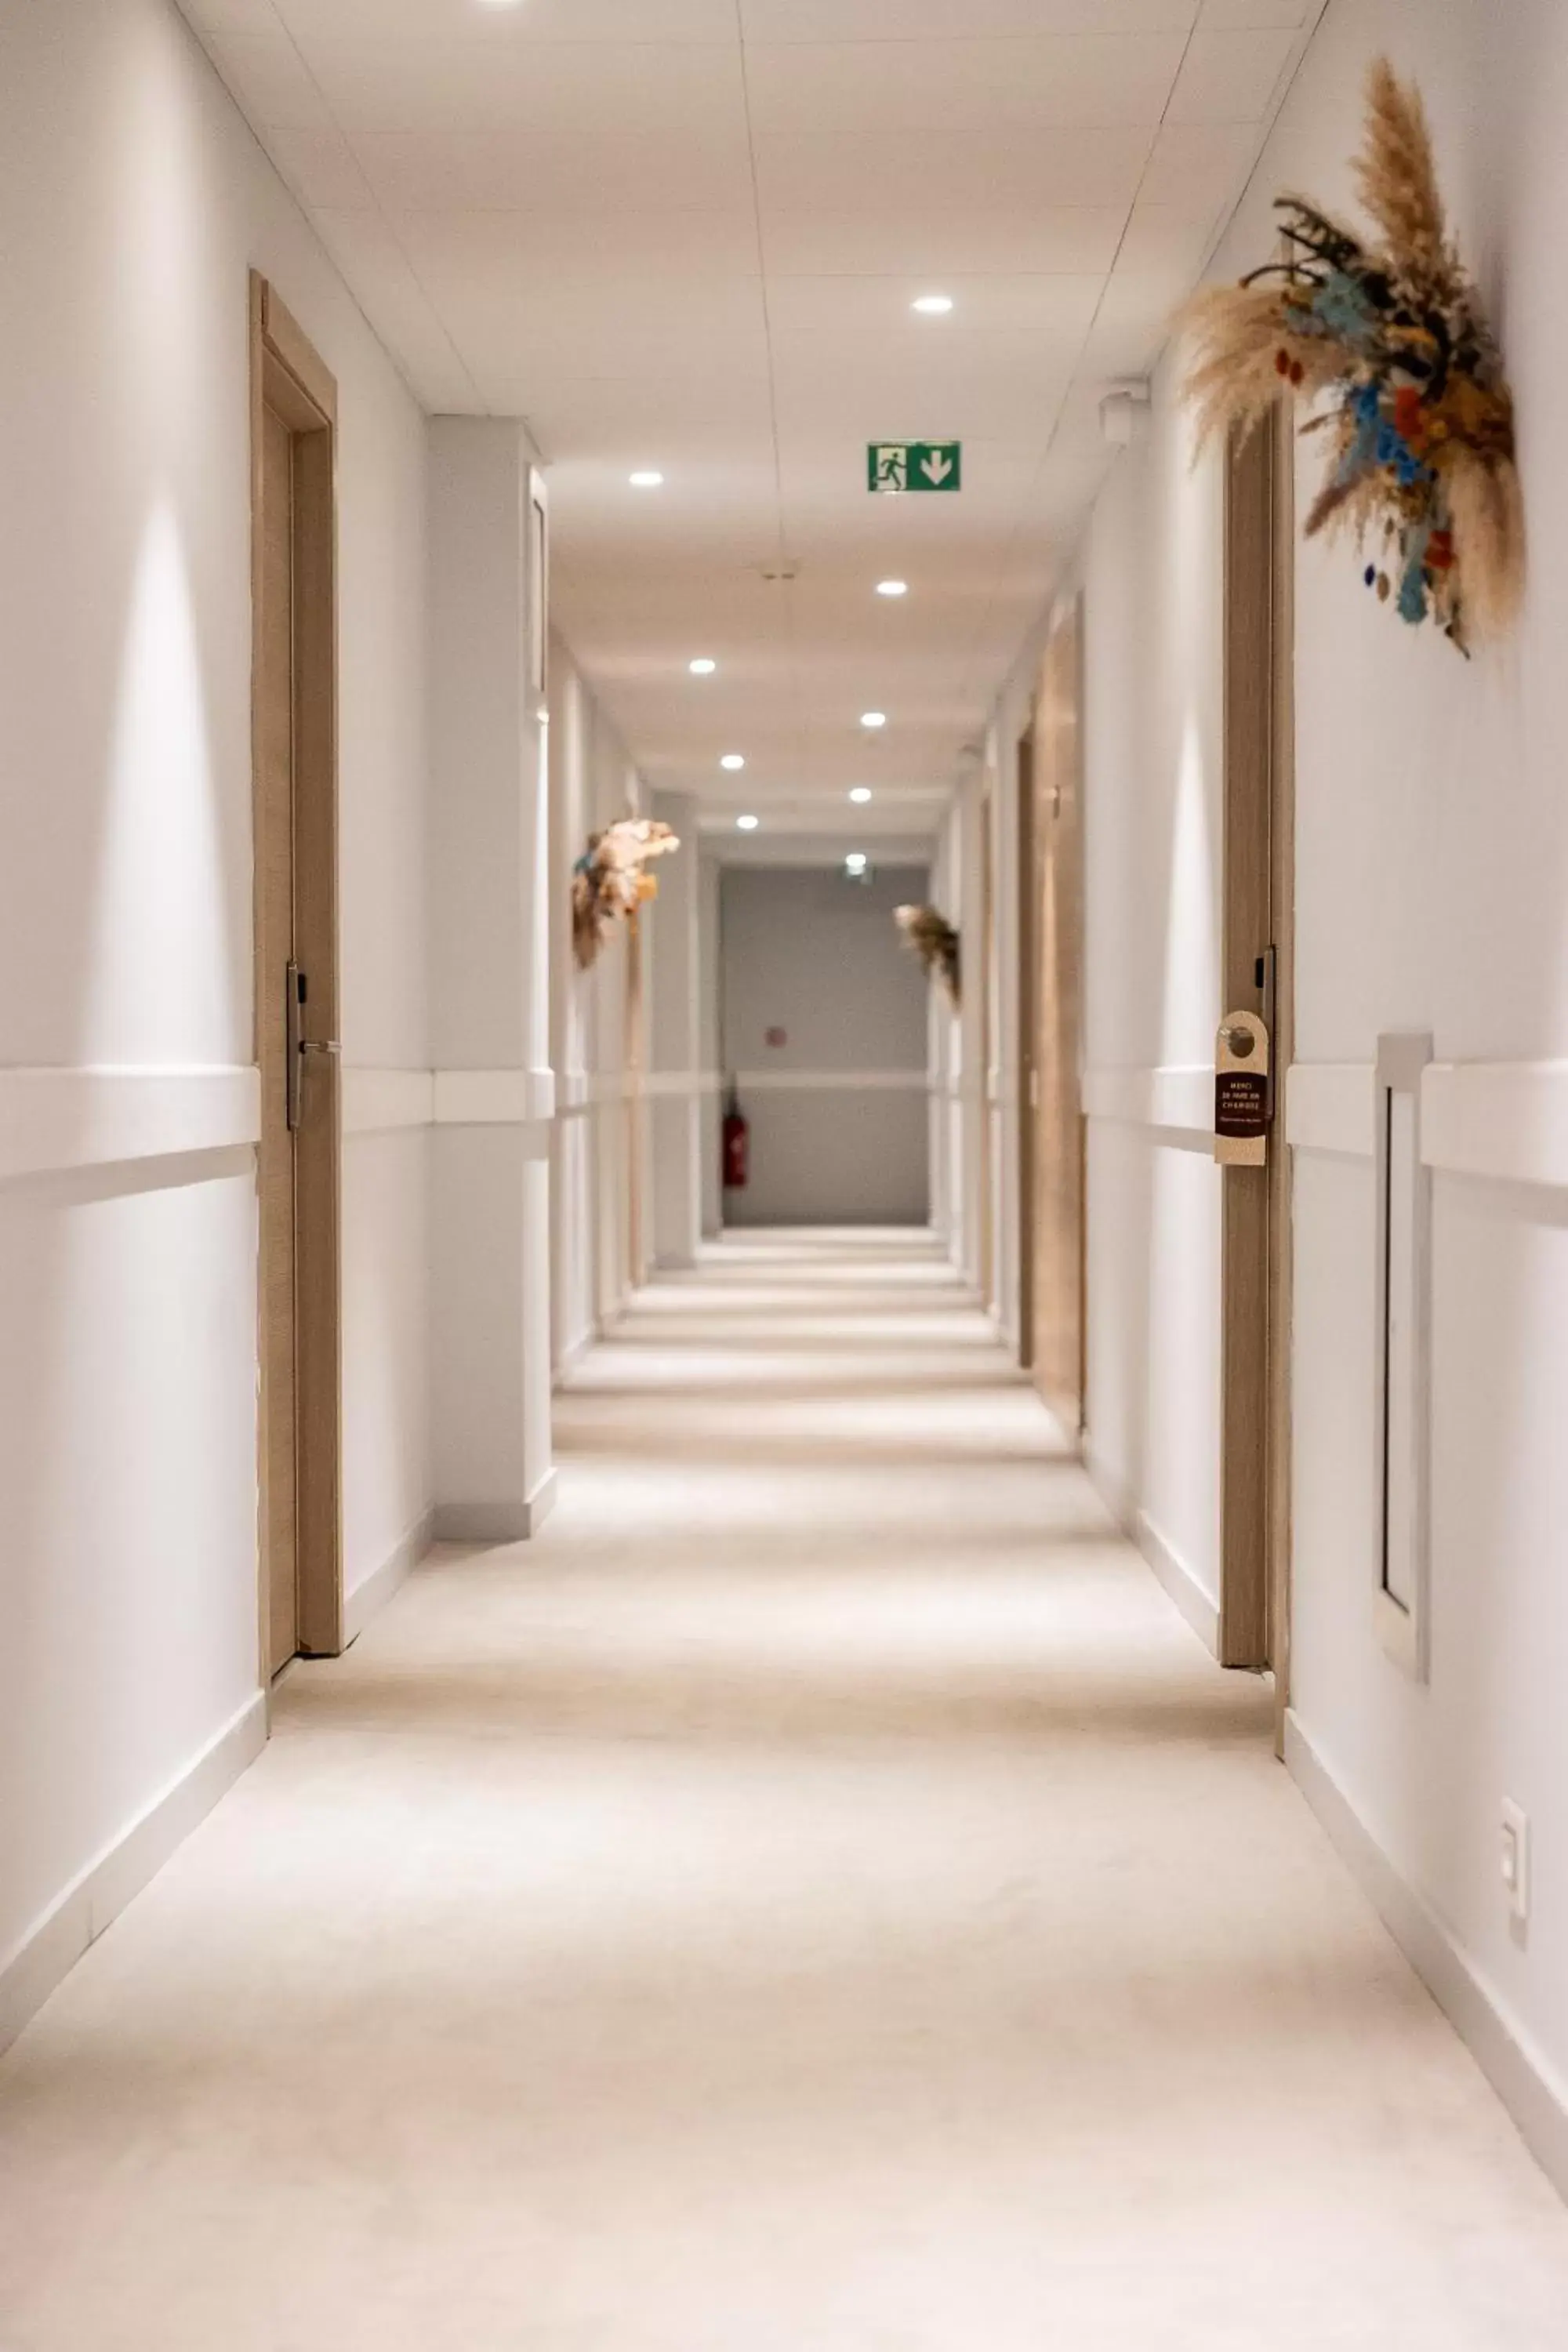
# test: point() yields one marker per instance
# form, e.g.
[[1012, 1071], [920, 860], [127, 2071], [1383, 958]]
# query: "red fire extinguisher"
[[737, 1137]]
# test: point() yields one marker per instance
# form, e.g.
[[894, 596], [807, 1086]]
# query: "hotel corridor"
[[818, 1898]]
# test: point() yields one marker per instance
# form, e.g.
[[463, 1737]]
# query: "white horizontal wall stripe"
[[494, 1098], [54, 1119], [1330, 1107], [377, 1102], [779, 1082], [683, 1082], [1177, 1098], [1507, 1120]]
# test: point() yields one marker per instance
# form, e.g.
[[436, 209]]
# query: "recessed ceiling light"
[[748, 823], [873, 719], [702, 667], [856, 861], [932, 306], [892, 587], [861, 794], [646, 479], [733, 759]]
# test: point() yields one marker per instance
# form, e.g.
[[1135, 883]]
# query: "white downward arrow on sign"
[[936, 469]]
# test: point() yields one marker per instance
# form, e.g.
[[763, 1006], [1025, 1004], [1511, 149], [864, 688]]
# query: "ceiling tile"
[[1168, 237], [1134, 323], [265, 72], [370, 257], [541, 253], [805, 88], [596, 95], [1230, 77], [603, 326], [1253, 16], [429, 172], [538, 23], [1200, 167], [232, 16], [319, 166], [932, 242], [913, 20], [966, 171], [662, 421], [876, 311]]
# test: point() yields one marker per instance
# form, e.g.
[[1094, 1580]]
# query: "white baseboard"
[[369, 1598], [572, 1356], [1107, 1485], [47, 1955], [1167, 1563], [495, 1523], [1179, 1581], [1522, 2079]]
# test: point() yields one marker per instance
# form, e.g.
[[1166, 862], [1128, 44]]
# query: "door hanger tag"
[[1243, 1104]]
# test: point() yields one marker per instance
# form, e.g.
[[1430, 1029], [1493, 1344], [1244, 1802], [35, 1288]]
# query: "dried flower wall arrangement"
[[1420, 419], [935, 942], [610, 880]]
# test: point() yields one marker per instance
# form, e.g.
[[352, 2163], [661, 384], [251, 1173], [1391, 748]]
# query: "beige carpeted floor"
[[818, 1898]]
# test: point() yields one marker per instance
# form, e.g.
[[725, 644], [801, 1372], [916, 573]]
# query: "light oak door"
[[294, 742], [1258, 963], [1056, 1288]]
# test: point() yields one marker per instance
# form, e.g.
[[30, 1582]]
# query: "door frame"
[[1028, 1075], [287, 375], [637, 1156], [979, 974], [1258, 914]]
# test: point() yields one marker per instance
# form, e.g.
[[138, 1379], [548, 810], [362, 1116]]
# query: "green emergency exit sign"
[[894, 466]]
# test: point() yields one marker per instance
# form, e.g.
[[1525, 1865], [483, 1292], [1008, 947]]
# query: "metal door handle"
[[296, 1044]]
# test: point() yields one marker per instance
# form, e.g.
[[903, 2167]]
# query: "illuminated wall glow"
[[165, 967]]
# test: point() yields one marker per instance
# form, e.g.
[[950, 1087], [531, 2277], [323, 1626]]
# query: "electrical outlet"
[[1516, 1859]]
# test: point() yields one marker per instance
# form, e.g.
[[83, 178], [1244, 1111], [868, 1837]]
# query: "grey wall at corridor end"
[[838, 1112]]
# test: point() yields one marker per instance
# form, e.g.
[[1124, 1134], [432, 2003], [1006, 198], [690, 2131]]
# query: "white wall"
[[1432, 885], [491, 923], [135, 201], [838, 1113], [1152, 572]]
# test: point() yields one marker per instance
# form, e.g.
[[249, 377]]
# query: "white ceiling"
[[685, 234]]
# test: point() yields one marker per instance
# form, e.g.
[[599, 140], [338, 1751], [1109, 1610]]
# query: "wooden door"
[[1258, 972], [1059, 1145], [296, 974]]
